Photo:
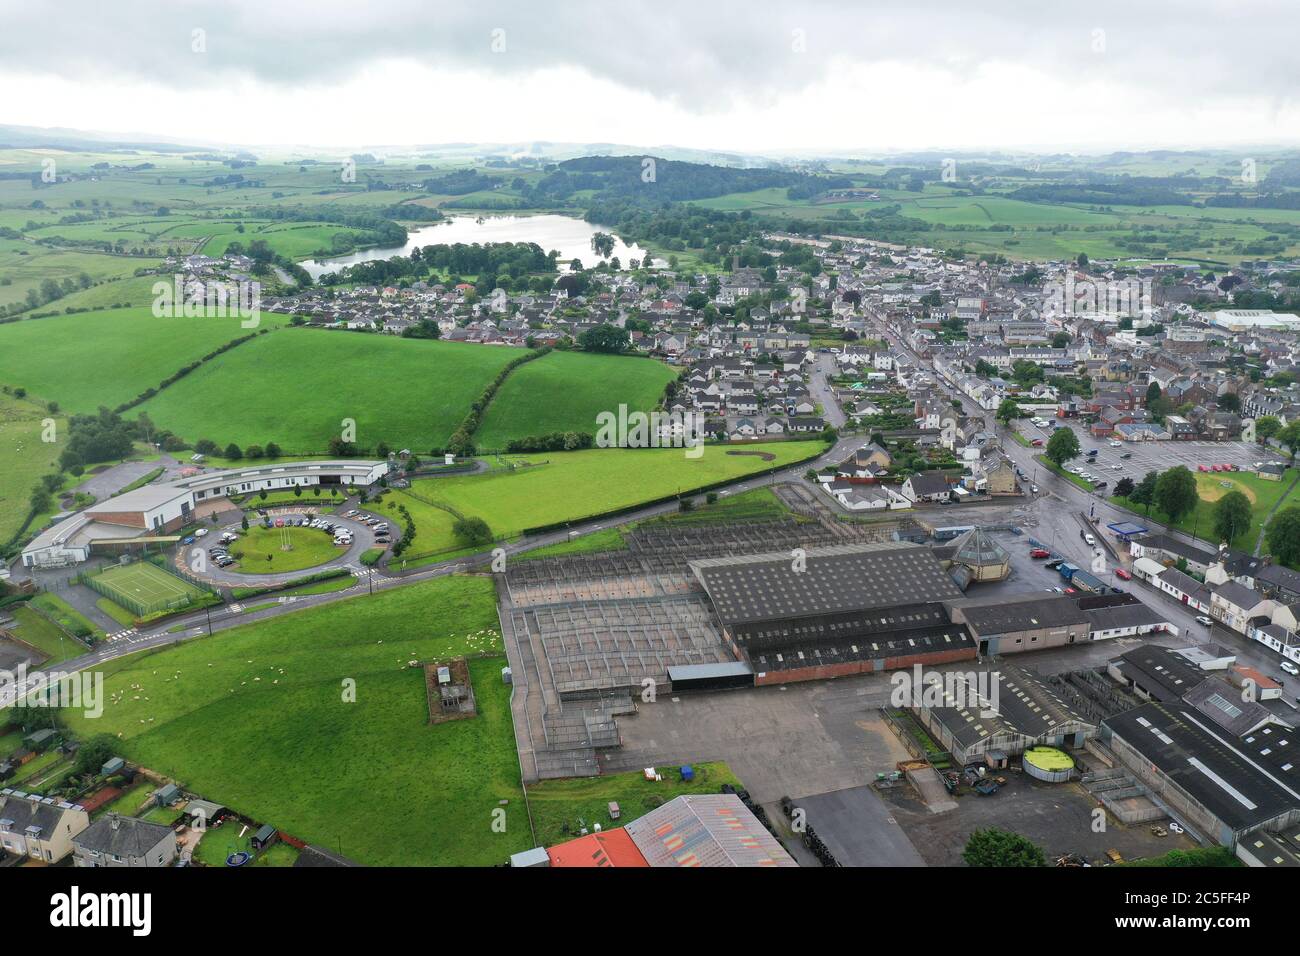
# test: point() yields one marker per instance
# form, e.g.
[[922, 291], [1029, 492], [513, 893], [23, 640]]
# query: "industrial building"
[[999, 712], [827, 612], [1222, 786], [150, 514]]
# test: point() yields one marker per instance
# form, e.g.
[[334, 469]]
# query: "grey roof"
[[24, 811], [1136, 614], [121, 836], [1024, 705], [1161, 672], [977, 547], [709, 829], [1205, 762], [836, 579], [1007, 614], [1226, 706], [1238, 595]]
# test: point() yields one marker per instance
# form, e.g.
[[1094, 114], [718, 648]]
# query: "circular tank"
[[1048, 764]]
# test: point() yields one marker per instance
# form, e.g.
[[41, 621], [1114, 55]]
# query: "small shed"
[[688, 772], [264, 837], [39, 741], [113, 766], [167, 795], [614, 810]]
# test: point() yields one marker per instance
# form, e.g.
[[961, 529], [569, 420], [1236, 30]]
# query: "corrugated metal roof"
[[711, 829]]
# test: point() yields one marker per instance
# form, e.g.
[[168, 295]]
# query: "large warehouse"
[[827, 612], [151, 513]]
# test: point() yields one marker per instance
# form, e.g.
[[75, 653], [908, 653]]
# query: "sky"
[[770, 78]]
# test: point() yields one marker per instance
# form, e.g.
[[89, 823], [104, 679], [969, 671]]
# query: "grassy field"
[[255, 718], [568, 486], [295, 387], [1263, 495], [64, 615], [564, 391], [561, 807], [24, 457], [105, 358], [43, 634], [258, 550]]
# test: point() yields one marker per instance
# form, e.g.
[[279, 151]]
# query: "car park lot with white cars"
[[1118, 459]]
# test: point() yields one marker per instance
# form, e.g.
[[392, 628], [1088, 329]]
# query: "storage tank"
[[1048, 764]]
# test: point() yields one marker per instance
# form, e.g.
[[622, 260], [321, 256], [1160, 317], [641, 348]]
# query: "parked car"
[[1039, 553], [1201, 468], [189, 540], [1127, 455], [1290, 668], [200, 532], [1037, 443], [1123, 575], [1116, 444], [1088, 538], [1202, 619]]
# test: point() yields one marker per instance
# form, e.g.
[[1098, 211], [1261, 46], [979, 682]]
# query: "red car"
[[1227, 467], [1216, 468], [1037, 443], [1202, 468], [279, 522], [1123, 575], [1039, 553], [1069, 590]]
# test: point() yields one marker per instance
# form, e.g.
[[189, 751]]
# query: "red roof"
[[607, 848]]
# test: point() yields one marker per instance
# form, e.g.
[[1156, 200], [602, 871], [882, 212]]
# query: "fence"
[[139, 607]]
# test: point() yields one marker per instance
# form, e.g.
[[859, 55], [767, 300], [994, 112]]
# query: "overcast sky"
[[757, 76]]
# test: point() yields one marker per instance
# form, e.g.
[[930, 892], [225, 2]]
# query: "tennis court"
[[145, 588]]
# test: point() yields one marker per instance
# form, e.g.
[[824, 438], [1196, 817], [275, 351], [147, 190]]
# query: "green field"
[[254, 718], [295, 387], [568, 486], [258, 550], [558, 805], [564, 391], [24, 456], [1264, 496], [40, 632], [105, 358], [142, 584]]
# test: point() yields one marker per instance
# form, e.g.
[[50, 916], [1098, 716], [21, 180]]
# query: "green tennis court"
[[144, 587]]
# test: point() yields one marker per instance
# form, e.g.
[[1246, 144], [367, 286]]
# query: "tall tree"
[[1231, 516], [1062, 446], [1283, 536], [1176, 492]]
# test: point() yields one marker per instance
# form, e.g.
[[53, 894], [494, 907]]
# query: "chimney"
[[114, 821]]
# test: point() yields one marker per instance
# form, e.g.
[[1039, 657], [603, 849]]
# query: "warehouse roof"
[[708, 829], [1006, 614], [607, 849], [1206, 763], [764, 587], [1227, 707], [1021, 704], [1161, 672]]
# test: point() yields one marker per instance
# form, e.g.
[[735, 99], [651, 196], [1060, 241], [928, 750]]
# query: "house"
[[115, 840], [1235, 604], [37, 827], [926, 486]]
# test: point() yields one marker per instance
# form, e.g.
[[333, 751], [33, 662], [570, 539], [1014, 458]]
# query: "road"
[[1059, 503]]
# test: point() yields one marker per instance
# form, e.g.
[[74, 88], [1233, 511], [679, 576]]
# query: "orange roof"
[[607, 848]]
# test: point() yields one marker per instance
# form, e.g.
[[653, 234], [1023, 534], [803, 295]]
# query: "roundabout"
[[261, 550]]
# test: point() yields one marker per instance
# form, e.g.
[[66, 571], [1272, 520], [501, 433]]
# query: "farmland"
[[24, 457], [564, 391], [535, 490], [255, 718], [295, 387], [91, 359]]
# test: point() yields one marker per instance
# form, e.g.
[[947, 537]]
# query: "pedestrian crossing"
[[236, 608], [122, 635]]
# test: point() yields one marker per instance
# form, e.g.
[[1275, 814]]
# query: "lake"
[[569, 236]]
